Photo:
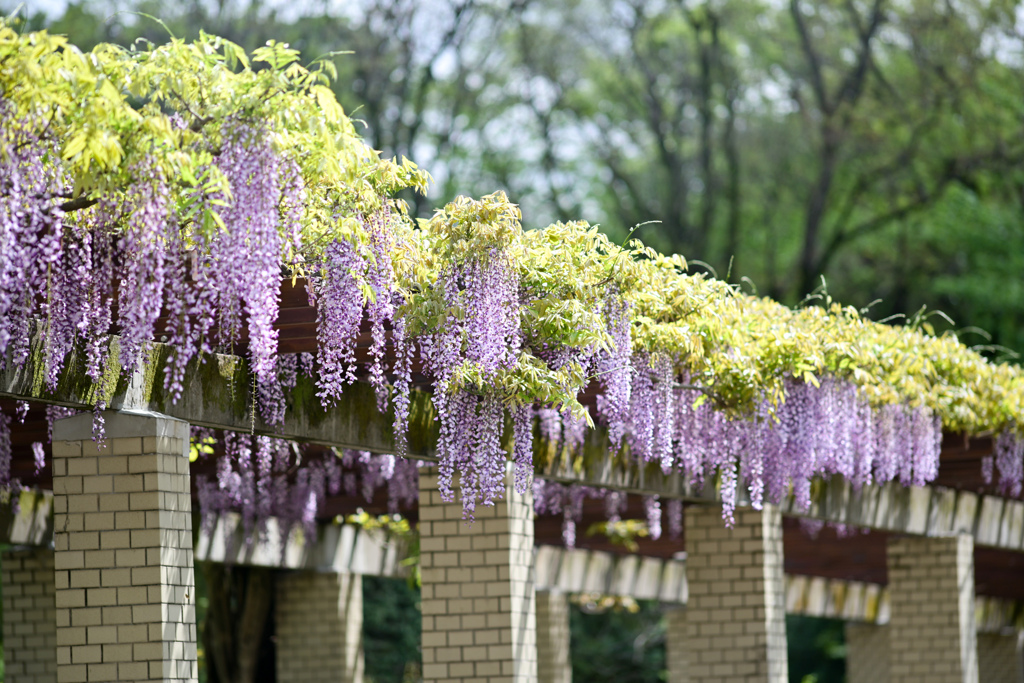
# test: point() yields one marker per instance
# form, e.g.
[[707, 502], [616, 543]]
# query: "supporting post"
[[125, 591], [554, 661], [478, 601], [999, 658], [319, 623], [675, 645], [931, 594], [867, 653], [736, 611], [30, 616]]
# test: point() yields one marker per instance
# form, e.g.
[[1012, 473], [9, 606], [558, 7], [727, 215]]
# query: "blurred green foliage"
[[817, 650]]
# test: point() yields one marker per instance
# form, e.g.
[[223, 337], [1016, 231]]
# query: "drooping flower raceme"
[[148, 243], [1009, 460], [478, 336], [615, 369], [339, 305], [243, 265]]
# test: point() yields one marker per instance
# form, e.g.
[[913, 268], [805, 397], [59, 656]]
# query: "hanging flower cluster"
[[5, 454], [553, 498], [476, 336], [1009, 460], [815, 431], [615, 369], [262, 478], [367, 472]]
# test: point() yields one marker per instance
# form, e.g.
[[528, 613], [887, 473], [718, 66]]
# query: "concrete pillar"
[[867, 653], [999, 658], [30, 616], [554, 662], [125, 591], [736, 611], [478, 601], [931, 595], [675, 645], [319, 623]]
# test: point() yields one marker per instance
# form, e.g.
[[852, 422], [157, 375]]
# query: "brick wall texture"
[[736, 611], [999, 659], [478, 602], [931, 589], [30, 616], [554, 661], [319, 628], [675, 645], [867, 653], [124, 578]]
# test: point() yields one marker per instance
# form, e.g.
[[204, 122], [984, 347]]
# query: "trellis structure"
[[172, 187]]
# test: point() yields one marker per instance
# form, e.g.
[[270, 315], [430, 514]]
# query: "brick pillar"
[[999, 658], [319, 623], [867, 653], [675, 645], [931, 596], [554, 662], [30, 616], [736, 610], [478, 602], [123, 539]]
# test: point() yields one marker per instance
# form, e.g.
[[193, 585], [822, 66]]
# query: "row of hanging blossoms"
[[184, 181]]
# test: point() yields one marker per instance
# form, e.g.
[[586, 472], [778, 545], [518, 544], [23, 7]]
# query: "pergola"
[[160, 209], [933, 570]]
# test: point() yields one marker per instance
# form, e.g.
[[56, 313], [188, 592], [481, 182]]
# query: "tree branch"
[[817, 79]]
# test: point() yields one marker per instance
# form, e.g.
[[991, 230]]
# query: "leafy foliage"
[[618, 644]]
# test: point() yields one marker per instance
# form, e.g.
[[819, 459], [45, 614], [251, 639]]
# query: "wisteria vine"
[[148, 214]]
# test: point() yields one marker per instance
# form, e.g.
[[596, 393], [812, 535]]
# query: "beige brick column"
[[999, 658], [319, 627], [675, 645], [554, 661], [478, 601], [867, 653], [123, 539], [931, 595], [30, 616], [736, 610]]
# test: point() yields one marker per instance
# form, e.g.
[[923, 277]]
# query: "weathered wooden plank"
[[547, 560], [30, 522], [572, 571], [598, 572], [648, 580], [965, 520], [918, 503], [1012, 526], [796, 594], [817, 597], [989, 521], [941, 512], [624, 575]]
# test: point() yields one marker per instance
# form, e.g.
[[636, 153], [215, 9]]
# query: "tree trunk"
[[816, 205], [240, 599]]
